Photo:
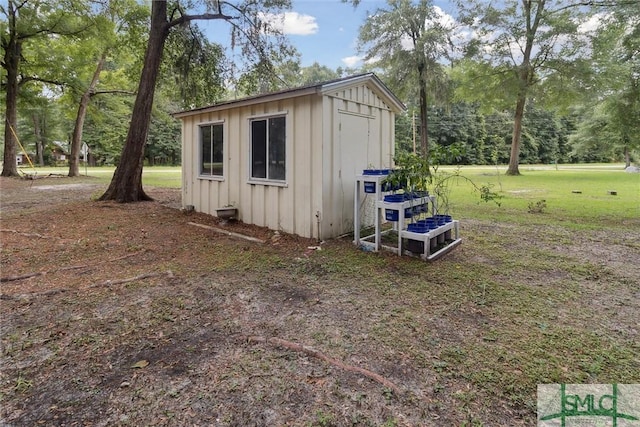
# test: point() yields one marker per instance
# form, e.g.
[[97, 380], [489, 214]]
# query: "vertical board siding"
[[240, 163], [289, 208], [330, 106], [315, 161], [376, 148], [187, 163]]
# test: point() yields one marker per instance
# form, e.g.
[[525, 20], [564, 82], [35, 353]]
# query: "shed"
[[288, 160]]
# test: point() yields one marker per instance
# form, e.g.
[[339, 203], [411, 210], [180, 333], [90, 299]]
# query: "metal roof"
[[316, 88]]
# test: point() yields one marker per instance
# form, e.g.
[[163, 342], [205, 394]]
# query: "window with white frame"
[[268, 143], [211, 150]]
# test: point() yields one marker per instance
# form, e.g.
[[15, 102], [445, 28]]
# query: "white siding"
[[290, 207], [320, 167], [346, 156]]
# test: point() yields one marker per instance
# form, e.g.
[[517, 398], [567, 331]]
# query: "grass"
[[520, 303], [153, 176], [559, 189]]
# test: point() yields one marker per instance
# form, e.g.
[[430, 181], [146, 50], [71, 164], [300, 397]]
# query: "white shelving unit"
[[435, 243], [361, 181]]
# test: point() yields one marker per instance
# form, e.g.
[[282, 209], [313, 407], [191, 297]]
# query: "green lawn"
[[557, 187], [576, 195], [526, 299], [154, 176]]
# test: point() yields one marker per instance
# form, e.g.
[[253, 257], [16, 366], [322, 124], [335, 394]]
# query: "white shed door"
[[350, 158]]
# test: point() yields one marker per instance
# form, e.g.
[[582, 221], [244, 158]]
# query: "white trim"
[[219, 178], [287, 149], [212, 177], [368, 79], [268, 182], [353, 113], [268, 115], [373, 83], [214, 122]]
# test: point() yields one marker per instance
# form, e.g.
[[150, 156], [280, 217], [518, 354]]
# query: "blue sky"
[[334, 40], [323, 31], [326, 31]]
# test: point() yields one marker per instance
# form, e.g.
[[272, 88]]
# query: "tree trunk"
[[37, 131], [514, 159], [12, 48], [126, 184], [76, 138], [424, 138], [525, 76], [627, 157]]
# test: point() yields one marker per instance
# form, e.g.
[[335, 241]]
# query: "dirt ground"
[[131, 315]]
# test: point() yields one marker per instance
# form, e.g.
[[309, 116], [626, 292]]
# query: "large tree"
[[29, 20], [408, 40], [518, 44], [126, 184], [116, 26], [617, 52]]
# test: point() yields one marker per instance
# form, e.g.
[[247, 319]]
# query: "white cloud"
[[592, 24], [351, 61], [406, 43], [442, 19], [291, 23], [446, 20], [372, 61]]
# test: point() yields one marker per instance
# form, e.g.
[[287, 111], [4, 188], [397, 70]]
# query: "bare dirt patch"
[[127, 315]]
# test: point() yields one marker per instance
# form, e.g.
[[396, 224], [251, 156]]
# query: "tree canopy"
[[510, 82]]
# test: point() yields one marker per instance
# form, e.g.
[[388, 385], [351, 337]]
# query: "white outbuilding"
[[288, 160]]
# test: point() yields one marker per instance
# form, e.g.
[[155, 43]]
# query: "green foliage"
[[462, 130], [587, 209], [193, 68], [595, 140], [463, 134], [414, 173], [587, 107], [164, 143], [612, 114], [523, 45], [537, 207], [407, 41]]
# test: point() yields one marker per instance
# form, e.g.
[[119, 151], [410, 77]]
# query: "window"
[[268, 144], [211, 150]]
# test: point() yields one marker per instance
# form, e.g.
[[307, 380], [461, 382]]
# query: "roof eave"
[[396, 105], [248, 101], [321, 89]]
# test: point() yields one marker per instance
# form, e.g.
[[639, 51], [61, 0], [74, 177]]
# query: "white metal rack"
[[435, 243]]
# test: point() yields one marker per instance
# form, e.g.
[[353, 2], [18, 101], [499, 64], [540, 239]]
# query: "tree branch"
[[143, 276], [116, 91], [205, 16], [73, 267], [52, 30], [597, 3], [24, 80], [279, 342]]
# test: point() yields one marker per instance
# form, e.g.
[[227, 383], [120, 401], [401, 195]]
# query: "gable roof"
[[317, 88]]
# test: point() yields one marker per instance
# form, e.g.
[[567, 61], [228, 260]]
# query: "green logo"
[[565, 405]]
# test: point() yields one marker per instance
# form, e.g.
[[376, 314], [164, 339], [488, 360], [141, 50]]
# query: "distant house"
[[288, 160], [60, 151]]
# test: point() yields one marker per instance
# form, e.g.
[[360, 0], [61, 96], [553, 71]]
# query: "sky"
[[326, 31]]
